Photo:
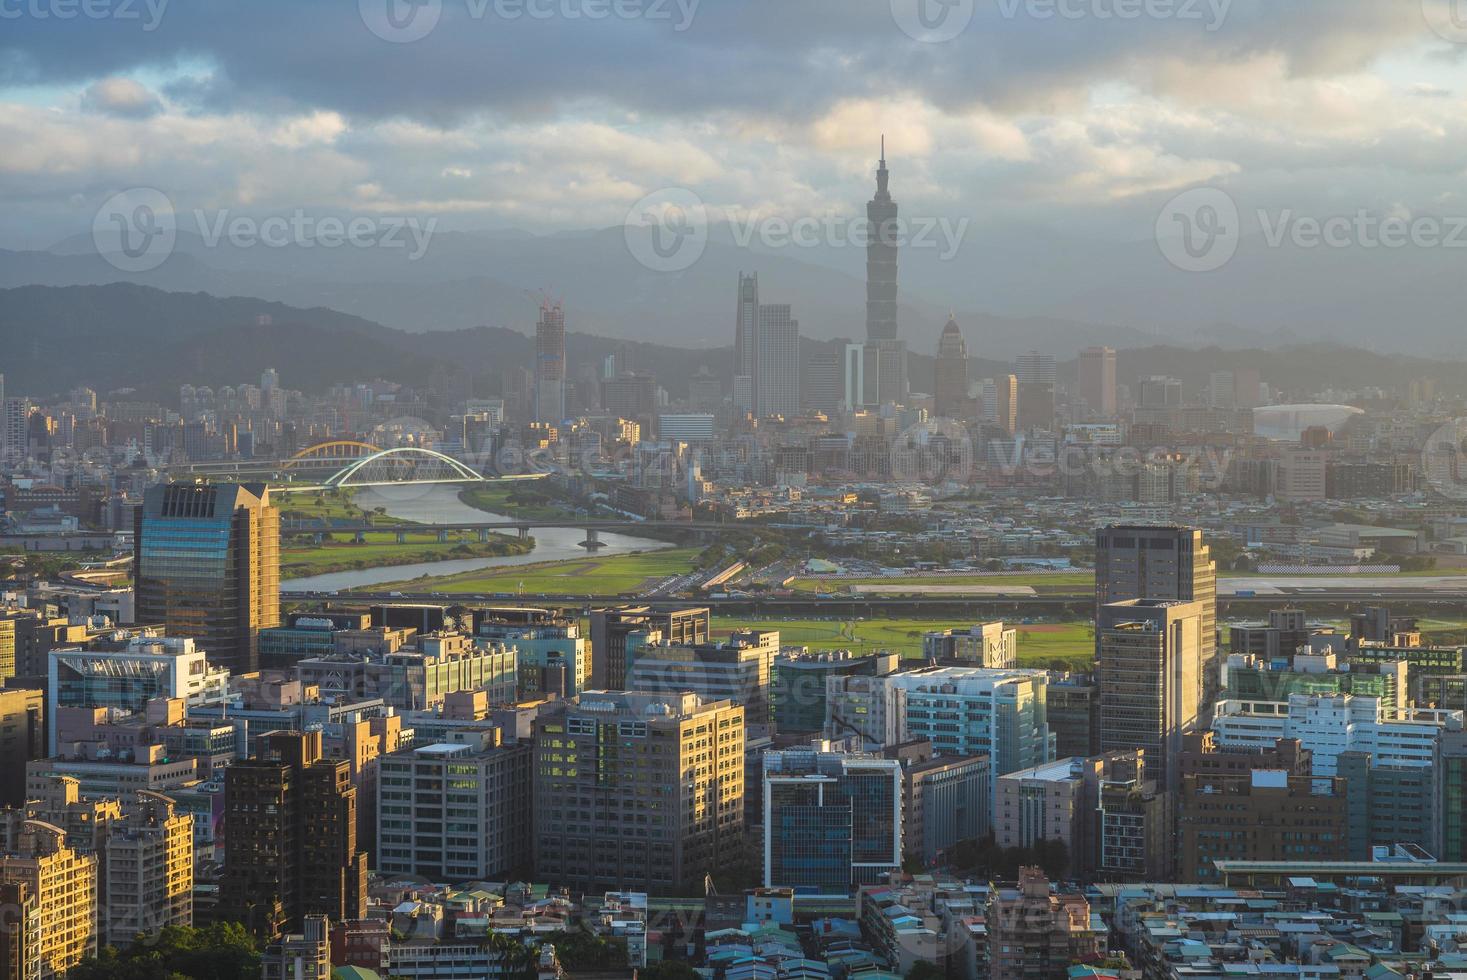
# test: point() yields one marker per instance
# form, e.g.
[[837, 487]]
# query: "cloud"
[[120, 97]]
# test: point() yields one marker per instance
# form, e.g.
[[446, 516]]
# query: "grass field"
[[342, 555], [895, 586], [611, 575], [1066, 645], [496, 500]]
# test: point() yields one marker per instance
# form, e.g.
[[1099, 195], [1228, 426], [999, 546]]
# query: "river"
[[440, 503]]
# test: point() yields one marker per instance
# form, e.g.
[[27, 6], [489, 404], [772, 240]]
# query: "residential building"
[[1036, 933], [291, 845], [63, 882], [207, 566], [456, 811], [305, 955], [149, 870], [832, 818], [638, 791]]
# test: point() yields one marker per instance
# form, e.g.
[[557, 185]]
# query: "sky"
[[548, 115]]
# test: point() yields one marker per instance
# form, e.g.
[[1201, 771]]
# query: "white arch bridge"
[[403, 464]]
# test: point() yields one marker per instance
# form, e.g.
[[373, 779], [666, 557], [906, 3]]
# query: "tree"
[[219, 951], [925, 970], [670, 970]]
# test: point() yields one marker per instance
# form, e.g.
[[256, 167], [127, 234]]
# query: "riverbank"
[[383, 551]]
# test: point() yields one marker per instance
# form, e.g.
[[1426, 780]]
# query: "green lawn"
[[896, 586], [521, 498], [325, 505], [340, 554], [1070, 645], [591, 576]]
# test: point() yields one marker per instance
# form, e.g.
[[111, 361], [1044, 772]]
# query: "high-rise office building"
[[777, 375], [746, 342], [832, 819], [550, 368], [64, 884], [1149, 679], [882, 246], [22, 738], [291, 849], [481, 789], [15, 428], [1001, 402], [1159, 562], [886, 363], [950, 390], [611, 629], [207, 566], [1098, 381], [637, 791]]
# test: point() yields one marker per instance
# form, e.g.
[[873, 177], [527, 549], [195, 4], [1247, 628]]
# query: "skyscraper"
[[777, 375], [1098, 380], [612, 628], [886, 370], [950, 392], [550, 373], [207, 566], [1149, 676], [746, 342], [1134, 562], [1036, 375], [291, 849]]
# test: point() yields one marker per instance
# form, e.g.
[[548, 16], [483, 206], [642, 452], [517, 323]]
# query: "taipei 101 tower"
[[886, 355]]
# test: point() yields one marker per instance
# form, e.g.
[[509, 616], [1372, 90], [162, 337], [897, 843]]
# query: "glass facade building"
[[207, 566]]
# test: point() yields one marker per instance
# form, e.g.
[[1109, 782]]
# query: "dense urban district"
[[781, 668]]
